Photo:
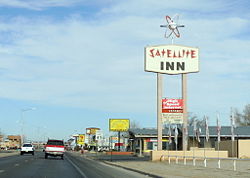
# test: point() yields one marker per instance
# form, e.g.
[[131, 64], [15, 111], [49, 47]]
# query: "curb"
[[134, 170]]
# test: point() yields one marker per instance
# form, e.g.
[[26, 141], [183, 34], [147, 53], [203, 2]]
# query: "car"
[[54, 148], [27, 148]]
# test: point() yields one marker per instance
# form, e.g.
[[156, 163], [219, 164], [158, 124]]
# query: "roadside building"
[[146, 140], [2, 142], [14, 141]]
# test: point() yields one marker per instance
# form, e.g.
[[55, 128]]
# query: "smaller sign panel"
[[155, 140], [172, 118], [172, 105], [114, 139], [92, 130], [172, 111], [81, 139], [119, 125]]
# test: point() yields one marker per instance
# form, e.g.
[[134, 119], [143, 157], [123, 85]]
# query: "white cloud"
[[99, 64], [39, 5], [44, 4]]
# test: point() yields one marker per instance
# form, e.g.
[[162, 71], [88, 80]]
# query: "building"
[[146, 139], [11, 142], [14, 141], [2, 142]]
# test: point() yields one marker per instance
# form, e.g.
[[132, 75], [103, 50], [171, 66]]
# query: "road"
[[72, 166]]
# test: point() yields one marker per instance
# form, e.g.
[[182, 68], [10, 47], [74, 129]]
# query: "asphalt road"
[[26, 166]]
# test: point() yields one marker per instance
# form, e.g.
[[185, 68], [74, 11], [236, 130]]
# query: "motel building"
[[146, 140]]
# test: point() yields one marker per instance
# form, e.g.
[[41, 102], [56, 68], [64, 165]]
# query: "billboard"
[[171, 59], [91, 130], [81, 139], [172, 111], [120, 125]]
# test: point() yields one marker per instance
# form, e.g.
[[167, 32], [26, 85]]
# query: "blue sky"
[[80, 63]]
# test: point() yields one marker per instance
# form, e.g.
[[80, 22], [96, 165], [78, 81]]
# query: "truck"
[[54, 148]]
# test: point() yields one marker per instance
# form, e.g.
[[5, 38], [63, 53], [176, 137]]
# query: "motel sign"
[[171, 59]]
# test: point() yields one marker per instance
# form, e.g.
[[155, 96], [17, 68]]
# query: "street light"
[[22, 120]]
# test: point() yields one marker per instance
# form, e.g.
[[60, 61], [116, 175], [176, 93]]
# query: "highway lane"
[[36, 166], [72, 166]]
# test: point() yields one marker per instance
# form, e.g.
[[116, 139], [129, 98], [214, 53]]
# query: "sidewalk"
[[164, 169]]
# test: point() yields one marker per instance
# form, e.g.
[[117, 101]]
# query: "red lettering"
[[174, 55], [157, 53], [193, 54], [163, 53], [187, 53], [151, 53], [179, 56], [183, 52], [169, 53]]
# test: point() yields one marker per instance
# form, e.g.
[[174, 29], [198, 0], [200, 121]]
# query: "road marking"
[[77, 168], [2, 171], [16, 164]]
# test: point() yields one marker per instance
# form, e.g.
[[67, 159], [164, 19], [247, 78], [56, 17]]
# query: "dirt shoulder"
[[11, 153]]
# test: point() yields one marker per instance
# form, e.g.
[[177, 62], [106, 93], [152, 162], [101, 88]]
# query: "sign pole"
[[185, 120], [159, 111], [119, 140]]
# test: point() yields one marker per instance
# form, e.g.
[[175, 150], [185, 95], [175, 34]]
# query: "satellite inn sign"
[[171, 59]]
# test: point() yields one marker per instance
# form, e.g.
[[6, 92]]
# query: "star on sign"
[[172, 26]]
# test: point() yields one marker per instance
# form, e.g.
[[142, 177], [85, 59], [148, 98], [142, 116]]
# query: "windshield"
[[27, 145]]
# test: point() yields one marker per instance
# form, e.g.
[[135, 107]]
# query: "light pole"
[[22, 122]]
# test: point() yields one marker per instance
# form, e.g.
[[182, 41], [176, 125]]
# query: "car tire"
[[33, 153], [46, 156], [21, 153], [62, 157]]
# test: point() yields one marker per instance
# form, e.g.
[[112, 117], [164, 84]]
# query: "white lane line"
[[2, 171], [16, 164], [77, 168]]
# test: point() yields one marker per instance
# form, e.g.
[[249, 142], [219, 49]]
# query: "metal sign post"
[[185, 119], [159, 111]]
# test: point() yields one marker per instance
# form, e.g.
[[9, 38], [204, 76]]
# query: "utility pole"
[[22, 122]]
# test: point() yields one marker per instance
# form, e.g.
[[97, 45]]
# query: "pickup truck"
[[54, 148]]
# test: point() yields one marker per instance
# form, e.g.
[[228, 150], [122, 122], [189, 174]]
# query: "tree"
[[134, 124], [193, 118], [242, 119]]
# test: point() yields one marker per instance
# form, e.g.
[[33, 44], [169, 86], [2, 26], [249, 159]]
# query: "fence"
[[229, 163]]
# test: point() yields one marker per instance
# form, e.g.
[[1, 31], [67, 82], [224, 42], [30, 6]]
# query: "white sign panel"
[[171, 59], [172, 118]]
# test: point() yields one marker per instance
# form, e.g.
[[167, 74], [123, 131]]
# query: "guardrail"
[[194, 158]]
